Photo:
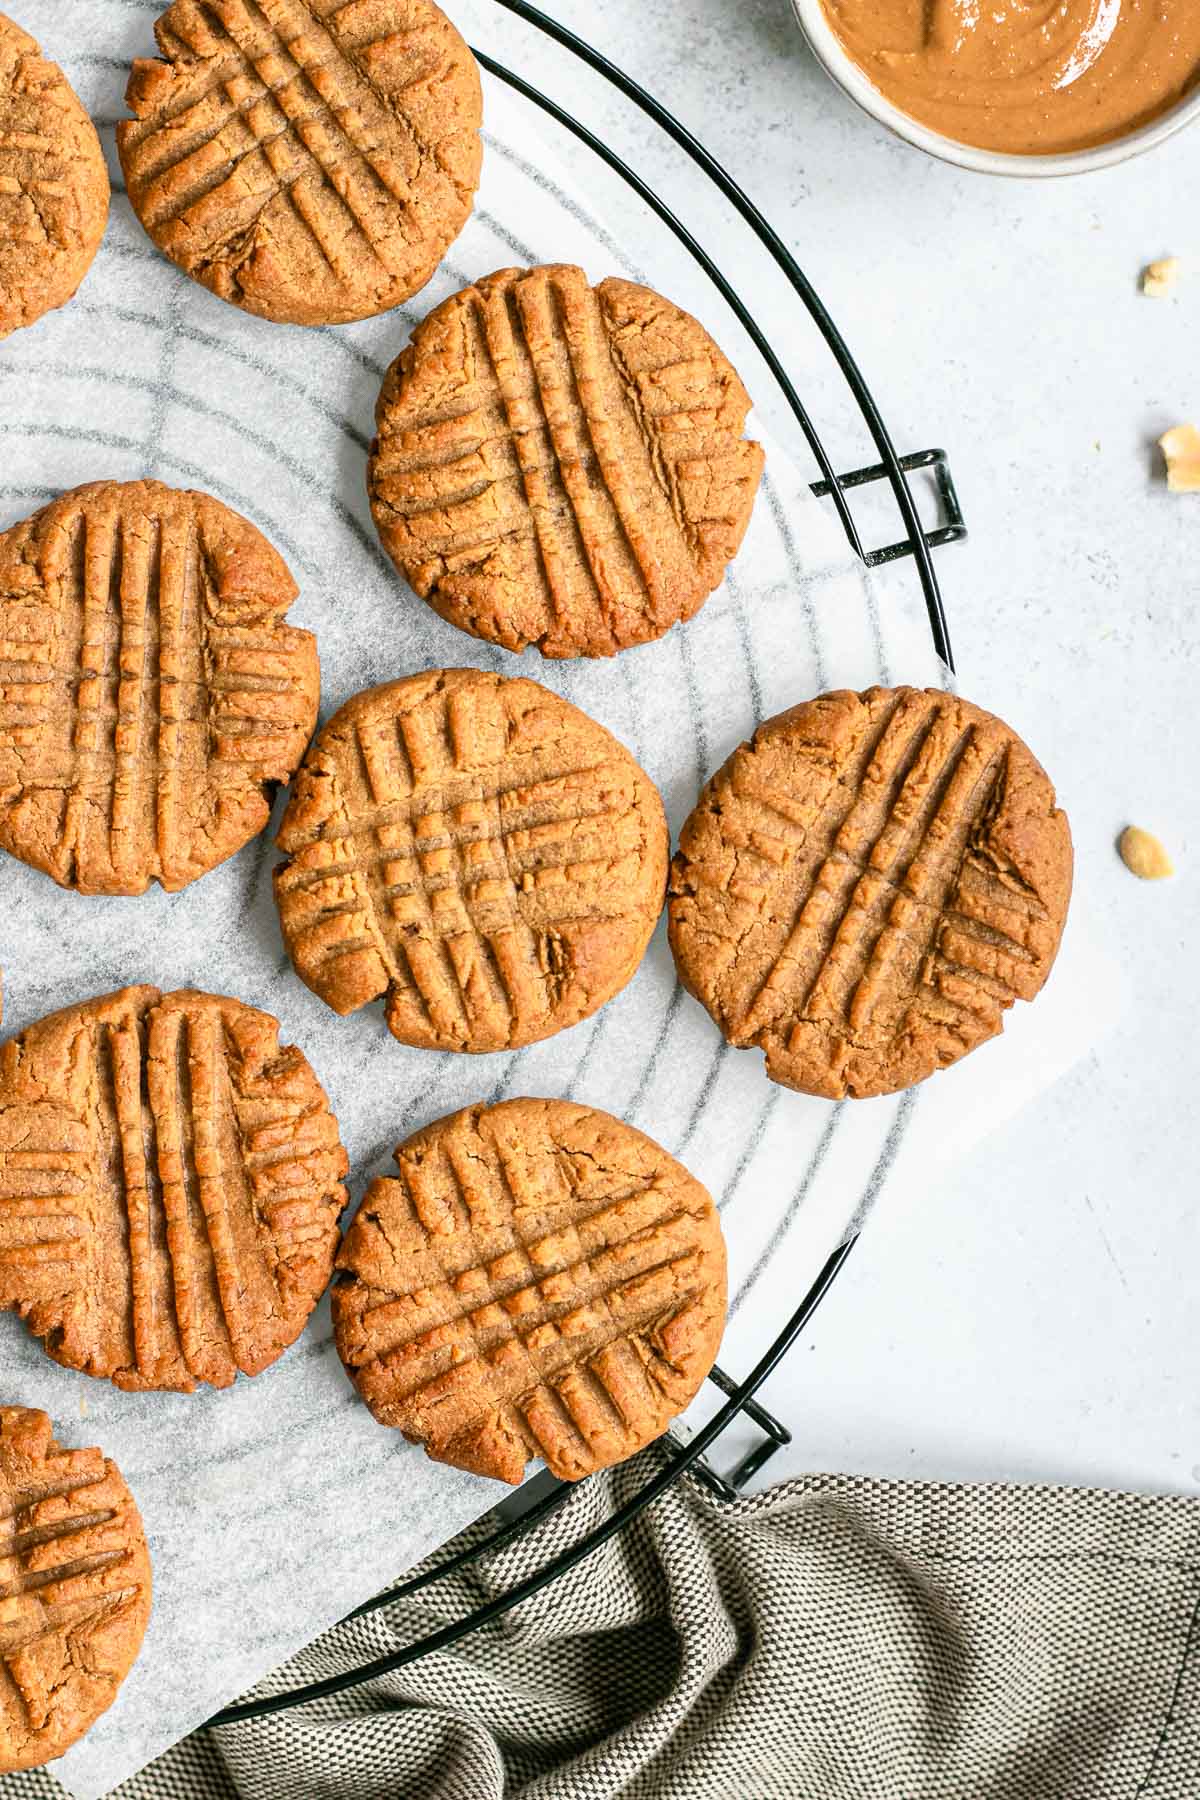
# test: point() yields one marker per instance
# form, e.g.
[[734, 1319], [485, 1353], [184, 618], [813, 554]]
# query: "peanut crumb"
[[1143, 855], [1181, 447], [1160, 279]]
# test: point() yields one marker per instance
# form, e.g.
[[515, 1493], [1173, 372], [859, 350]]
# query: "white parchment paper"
[[275, 1507]]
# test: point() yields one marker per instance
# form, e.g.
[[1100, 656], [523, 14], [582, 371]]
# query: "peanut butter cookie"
[[170, 1185], [150, 690], [541, 1280], [562, 465], [478, 851], [76, 1589], [308, 160], [867, 886], [53, 184]]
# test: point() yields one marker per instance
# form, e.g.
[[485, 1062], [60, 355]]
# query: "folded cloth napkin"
[[827, 1639]]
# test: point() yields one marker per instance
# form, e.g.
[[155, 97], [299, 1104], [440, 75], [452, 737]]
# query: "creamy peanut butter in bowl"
[[1016, 87]]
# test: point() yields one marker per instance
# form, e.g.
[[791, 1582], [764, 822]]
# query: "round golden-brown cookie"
[[76, 1589], [865, 887], [170, 1185], [151, 691], [478, 851], [562, 465], [541, 1280], [53, 183], [308, 160]]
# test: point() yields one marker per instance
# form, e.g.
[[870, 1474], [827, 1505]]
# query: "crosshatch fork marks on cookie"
[[541, 1280], [150, 689], [560, 465], [170, 1183], [310, 160], [865, 888], [74, 1591], [475, 849]]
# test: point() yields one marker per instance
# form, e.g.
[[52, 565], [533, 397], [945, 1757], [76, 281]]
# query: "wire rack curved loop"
[[917, 543]]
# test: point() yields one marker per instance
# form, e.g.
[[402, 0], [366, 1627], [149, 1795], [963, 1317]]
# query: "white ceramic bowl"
[[841, 68]]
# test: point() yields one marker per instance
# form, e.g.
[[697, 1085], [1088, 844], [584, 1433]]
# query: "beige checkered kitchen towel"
[[830, 1639]]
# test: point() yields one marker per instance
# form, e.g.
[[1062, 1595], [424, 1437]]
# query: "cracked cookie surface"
[[170, 1186], [476, 850], [151, 691], [53, 183], [539, 1280], [310, 161], [562, 465], [76, 1598], [865, 888]]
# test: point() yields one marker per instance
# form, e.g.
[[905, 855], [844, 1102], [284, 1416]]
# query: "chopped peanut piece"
[[1159, 279], [1143, 855], [1181, 447]]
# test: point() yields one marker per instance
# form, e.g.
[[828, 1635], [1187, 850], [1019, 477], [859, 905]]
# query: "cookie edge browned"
[[316, 316], [255, 547], [1055, 872], [713, 1247], [573, 646], [146, 997], [136, 1628], [659, 850], [95, 197]]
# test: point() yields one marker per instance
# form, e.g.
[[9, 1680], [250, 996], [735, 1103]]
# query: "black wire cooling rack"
[[918, 543]]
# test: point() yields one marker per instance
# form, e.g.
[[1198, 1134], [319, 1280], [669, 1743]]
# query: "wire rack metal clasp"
[[952, 530], [775, 1435]]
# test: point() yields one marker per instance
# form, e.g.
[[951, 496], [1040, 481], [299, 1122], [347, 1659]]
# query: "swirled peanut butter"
[[1025, 76]]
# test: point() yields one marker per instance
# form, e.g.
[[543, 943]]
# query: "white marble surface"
[[1034, 1316]]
